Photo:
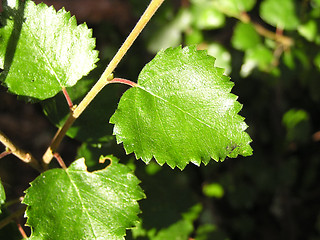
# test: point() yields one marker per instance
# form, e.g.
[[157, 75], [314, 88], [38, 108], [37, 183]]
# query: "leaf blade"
[[96, 205], [171, 113], [46, 50]]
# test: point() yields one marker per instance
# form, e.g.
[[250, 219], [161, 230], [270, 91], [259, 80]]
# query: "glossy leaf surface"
[[181, 111], [77, 204], [43, 50]]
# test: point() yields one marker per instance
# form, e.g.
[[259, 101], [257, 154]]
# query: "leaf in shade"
[[234, 7], [282, 15], [2, 195]]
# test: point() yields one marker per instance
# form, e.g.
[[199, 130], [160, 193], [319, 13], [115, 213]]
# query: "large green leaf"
[[77, 204], [43, 50], [279, 14], [181, 111]]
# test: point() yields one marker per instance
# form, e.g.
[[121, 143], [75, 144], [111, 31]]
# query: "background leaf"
[[77, 204], [2, 195], [223, 57], [206, 16], [43, 50], [181, 111], [245, 36], [234, 7], [279, 15]]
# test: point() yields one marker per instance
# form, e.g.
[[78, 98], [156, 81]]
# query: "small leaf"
[[2, 195], [170, 34], [213, 190], [181, 111], [309, 30], [234, 7], [260, 57], [43, 50], [279, 14], [245, 36], [206, 16], [77, 204], [223, 56]]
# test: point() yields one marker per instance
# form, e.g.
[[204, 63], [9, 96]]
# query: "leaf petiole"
[[123, 81]]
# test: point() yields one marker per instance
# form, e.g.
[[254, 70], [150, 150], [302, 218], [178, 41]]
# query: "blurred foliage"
[[271, 50]]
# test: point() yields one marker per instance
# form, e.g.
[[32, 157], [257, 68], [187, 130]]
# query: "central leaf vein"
[[177, 107], [82, 202]]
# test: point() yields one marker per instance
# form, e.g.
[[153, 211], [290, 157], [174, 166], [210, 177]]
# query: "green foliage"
[[245, 36], [280, 15], [181, 110], [58, 52], [213, 190], [83, 205], [234, 7], [163, 116], [2, 195]]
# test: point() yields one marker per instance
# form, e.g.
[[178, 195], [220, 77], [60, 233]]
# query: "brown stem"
[[11, 217], [19, 153], [57, 139], [287, 42], [105, 78], [284, 40]]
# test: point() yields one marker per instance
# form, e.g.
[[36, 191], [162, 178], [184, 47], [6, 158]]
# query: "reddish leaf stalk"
[[66, 95], [22, 232], [11, 217], [5, 153], [60, 160], [123, 81]]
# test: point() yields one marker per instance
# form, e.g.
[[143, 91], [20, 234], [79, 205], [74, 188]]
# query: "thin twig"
[[22, 155], [11, 217], [105, 78], [284, 40], [22, 232], [245, 18]]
